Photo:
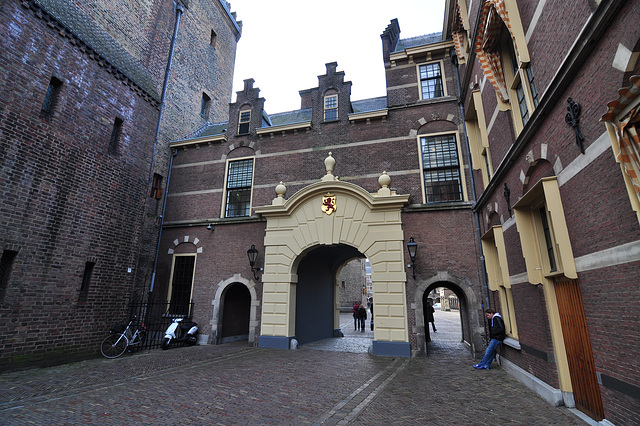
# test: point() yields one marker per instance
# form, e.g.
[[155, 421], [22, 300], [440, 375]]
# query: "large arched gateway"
[[340, 215]]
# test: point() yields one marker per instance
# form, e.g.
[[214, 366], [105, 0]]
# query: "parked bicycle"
[[122, 338]]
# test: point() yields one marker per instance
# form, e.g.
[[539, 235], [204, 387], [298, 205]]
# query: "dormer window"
[[330, 107], [244, 121]]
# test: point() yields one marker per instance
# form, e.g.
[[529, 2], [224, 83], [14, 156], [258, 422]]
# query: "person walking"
[[497, 333], [362, 316], [356, 307], [430, 318]]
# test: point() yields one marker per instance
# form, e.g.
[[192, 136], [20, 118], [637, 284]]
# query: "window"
[[116, 132], [331, 108], [502, 51], [544, 237], [156, 187], [520, 80], [6, 265], [431, 81], [214, 38], [623, 124], [243, 122], [51, 98], [205, 105], [86, 281], [181, 284], [238, 188], [495, 252], [441, 168], [478, 138]]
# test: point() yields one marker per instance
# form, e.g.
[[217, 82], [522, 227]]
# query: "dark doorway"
[[451, 302], [236, 307], [316, 290]]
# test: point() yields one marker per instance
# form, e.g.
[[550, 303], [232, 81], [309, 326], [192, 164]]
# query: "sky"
[[285, 44]]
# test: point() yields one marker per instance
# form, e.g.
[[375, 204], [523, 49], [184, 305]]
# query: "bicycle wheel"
[[114, 345]]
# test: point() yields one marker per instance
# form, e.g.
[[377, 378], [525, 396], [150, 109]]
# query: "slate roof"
[[367, 105], [82, 26], [418, 41], [291, 117]]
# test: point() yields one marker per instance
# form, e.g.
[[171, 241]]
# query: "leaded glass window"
[[441, 168]]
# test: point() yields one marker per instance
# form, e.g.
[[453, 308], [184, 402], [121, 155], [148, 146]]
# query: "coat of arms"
[[329, 203]]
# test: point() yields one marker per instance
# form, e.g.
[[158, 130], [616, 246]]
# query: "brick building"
[[550, 107], [268, 181], [84, 160]]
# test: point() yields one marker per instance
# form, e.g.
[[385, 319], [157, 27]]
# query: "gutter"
[[179, 12]]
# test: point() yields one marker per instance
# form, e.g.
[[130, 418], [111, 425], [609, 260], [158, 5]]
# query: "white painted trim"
[[493, 119], [535, 19], [597, 148], [619, 255]]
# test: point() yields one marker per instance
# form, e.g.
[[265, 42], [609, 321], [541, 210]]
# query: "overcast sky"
[[285, 44]]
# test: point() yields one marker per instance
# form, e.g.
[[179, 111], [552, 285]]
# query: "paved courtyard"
[[330, 382]]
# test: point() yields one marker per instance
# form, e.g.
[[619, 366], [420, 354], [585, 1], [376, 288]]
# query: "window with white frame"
[[441, 168], [238, 188], [431, 80], [331, 107], [244, 121]]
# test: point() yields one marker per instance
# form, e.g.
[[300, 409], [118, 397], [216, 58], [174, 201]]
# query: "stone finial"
[[329, 164], [384, 180], [281, 189]]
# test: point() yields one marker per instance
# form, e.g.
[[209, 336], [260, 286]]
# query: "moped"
[[180, 331]]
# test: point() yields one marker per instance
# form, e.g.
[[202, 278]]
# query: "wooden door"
[[586, 390]]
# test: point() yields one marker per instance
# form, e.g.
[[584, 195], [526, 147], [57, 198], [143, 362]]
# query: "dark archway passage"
[[316, 291], [236, 308], [460, 308]]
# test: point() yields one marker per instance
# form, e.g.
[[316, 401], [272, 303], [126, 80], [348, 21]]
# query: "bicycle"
[[121, 338]]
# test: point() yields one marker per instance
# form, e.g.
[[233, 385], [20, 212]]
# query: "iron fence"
[[157, 316]]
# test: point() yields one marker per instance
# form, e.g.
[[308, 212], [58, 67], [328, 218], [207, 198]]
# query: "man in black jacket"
[[497, 333]]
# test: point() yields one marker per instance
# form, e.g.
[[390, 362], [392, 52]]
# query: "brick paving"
[[320, 383]]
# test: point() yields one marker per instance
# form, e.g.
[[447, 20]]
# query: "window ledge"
[[436, 100], [510, 341]]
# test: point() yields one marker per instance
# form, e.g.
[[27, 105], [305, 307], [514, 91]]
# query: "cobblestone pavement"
[[319, 383]]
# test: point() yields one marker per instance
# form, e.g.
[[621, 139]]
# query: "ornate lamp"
[[412, 247], [252, 253]]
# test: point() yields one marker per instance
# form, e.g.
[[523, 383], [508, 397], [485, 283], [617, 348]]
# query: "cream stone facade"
[[368, 222]]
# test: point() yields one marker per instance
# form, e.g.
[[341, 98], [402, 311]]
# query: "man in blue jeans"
[[497, 334]]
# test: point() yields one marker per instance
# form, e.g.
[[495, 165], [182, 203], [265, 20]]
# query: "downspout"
[[179, 12], [486, 303]]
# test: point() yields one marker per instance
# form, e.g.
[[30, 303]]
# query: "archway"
[[230, 296], [236, 309], [466, 297], [317, 313], [331, 213]]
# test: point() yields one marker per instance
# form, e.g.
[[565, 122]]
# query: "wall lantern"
[[412, 246], [252, 253]]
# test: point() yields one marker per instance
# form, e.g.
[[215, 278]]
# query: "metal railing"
[[157, 316]]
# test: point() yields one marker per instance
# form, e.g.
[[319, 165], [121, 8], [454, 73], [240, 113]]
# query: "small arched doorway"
[[465, 298], [317, 302], [236, 308]]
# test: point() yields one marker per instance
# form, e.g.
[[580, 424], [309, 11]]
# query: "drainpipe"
[[179, 12], [486, 303]]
